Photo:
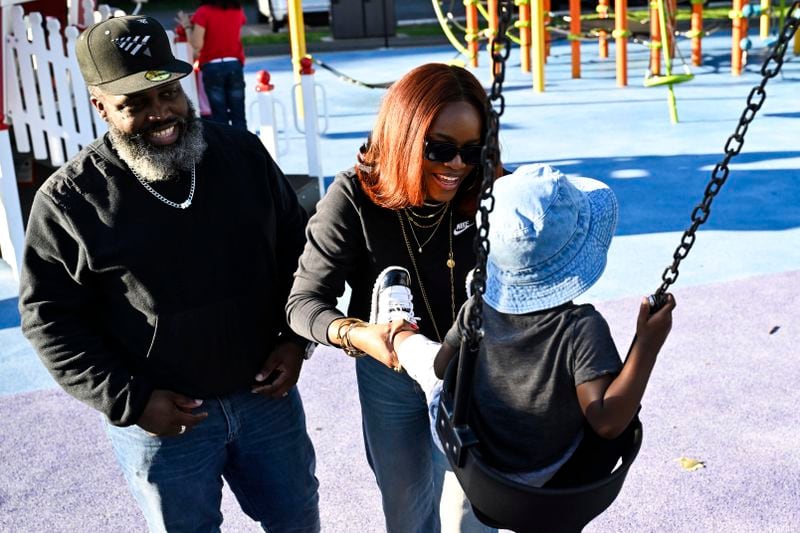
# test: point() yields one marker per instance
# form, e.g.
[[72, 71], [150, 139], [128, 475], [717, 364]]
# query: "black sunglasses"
[[444, 152]]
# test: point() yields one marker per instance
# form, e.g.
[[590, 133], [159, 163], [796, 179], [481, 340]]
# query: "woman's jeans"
[[412, 474], [224, 85], [257, 444]]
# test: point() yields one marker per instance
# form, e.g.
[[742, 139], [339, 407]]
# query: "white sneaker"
[[391, 297], [468, 283]]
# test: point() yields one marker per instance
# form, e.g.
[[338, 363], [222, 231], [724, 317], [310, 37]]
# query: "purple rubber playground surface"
[[724, 391]]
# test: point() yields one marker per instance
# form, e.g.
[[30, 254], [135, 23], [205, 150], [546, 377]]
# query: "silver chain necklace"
[[183, 205]]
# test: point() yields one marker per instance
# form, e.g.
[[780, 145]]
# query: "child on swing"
[[548, 378]]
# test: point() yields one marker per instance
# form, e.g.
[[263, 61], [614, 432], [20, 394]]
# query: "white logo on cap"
[[133, 45]]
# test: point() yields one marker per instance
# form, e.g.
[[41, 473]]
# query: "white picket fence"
[[48, 104]]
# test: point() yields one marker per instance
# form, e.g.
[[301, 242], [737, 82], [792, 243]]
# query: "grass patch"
[[312, 36], [315, 35], [154, 5]]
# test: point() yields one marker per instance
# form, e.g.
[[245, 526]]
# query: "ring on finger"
[[182, 430]]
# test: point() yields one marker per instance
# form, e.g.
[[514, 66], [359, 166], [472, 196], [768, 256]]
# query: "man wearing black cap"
[[156, 269]]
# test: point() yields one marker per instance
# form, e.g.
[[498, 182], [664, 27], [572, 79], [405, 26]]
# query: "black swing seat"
[[502, 503]]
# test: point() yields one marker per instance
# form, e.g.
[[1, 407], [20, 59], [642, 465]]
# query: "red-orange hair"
[[390, 169]]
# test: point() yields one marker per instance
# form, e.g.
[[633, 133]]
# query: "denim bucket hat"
[[549, 237]]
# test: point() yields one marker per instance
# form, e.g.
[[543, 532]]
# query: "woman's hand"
[[374, 340], [183, 19]]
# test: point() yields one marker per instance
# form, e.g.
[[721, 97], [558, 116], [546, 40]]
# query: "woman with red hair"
[[410, 200]]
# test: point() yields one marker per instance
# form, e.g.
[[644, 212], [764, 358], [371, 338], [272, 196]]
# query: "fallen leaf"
[[690, 465]]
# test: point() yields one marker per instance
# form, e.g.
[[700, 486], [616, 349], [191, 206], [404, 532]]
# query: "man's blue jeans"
[[224, 86], [259, 445], [412, 473]]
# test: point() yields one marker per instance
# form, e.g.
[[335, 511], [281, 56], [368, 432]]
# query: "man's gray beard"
[[160, 163]]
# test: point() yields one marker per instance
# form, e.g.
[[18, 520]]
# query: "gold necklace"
[[426, 226], [450, 263], [440, 209], [414, 233]]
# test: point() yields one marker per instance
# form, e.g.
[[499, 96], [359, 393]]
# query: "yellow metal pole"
[[297, 42], [537, 44], [797, 43], [766, 8]]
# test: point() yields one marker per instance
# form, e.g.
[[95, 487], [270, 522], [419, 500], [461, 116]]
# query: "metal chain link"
[[771, 67], [500, 48]]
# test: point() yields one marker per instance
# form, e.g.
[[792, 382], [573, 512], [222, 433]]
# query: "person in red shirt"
[[214, 31]]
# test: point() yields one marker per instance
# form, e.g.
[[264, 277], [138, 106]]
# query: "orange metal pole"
[[472, 32], [655, 40], [575, 35], [739, 31], [525, 34], [602, 38], [491, 7], [621, 41], [672, 7], [697, 32]]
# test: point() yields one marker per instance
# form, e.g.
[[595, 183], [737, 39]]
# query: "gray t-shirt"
[[524, 405]]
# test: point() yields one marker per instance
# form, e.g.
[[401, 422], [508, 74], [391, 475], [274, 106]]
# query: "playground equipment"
[[533, 26], [666, 33], [498, 501]]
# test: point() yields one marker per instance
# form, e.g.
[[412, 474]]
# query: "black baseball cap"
[[125, 55]]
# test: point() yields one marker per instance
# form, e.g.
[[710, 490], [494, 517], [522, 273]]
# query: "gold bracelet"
[[343, 332]]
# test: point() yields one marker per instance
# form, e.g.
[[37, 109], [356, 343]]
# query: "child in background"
[[546, 366], [214, 31]]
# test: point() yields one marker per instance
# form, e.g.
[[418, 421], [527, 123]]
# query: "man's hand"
[[168, 414], [280, 371]]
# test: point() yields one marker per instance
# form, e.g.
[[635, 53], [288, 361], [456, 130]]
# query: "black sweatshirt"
[[121, 294], [350, 239]]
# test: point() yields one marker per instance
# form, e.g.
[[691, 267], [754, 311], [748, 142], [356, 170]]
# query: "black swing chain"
[[500, 48], [771, 67]]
